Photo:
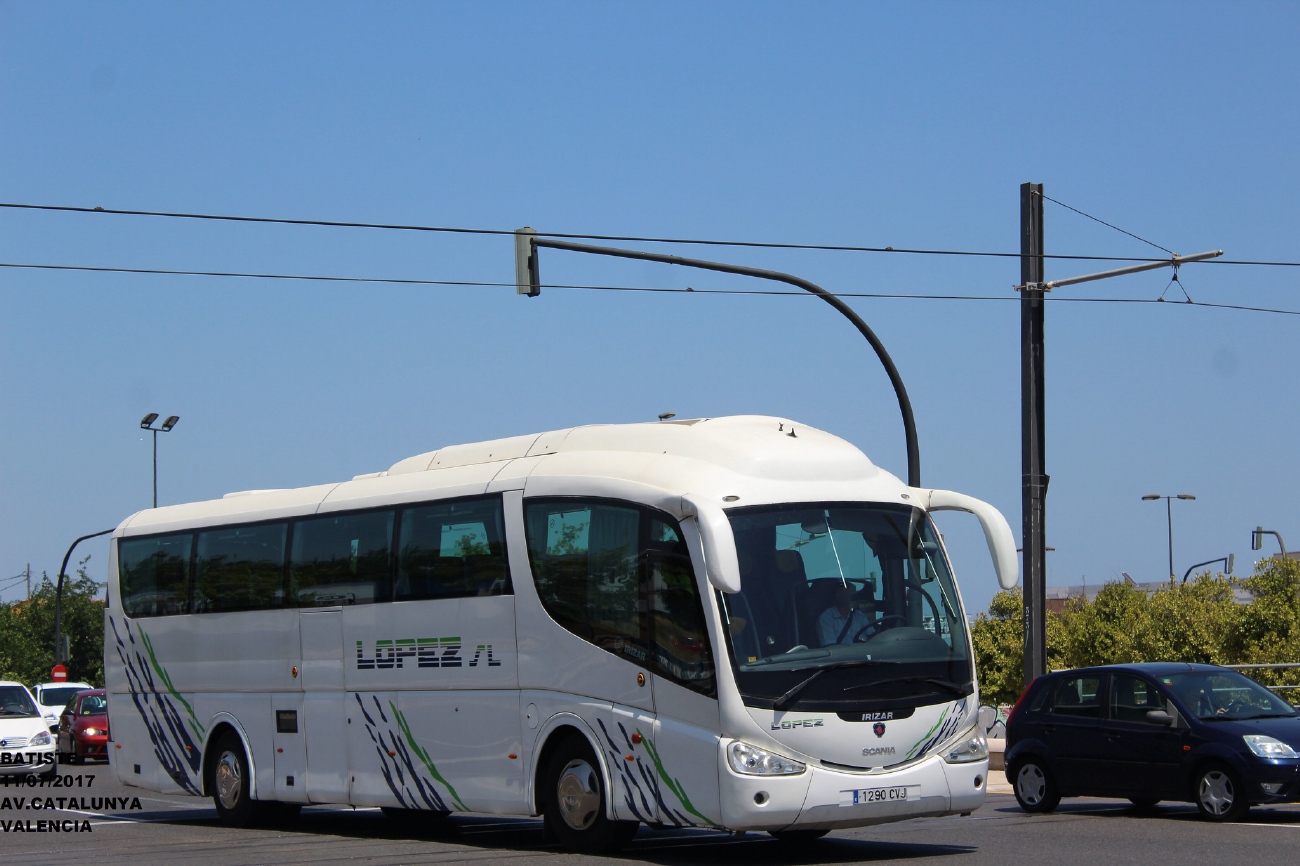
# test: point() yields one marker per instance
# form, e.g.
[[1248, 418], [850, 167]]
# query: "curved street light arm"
[[904, 404], [58, 593]]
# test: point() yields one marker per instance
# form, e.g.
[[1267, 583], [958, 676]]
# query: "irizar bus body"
[[605, 625]]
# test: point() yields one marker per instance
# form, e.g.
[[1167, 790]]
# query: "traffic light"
[[527, 281]]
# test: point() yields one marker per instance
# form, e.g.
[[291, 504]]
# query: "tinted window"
[[453, 549], [341, 559], [240, 568], [1131, 698], [620, 576], [680, 639], [1078, 696], [585, 565], [154, 574], [57, 697]]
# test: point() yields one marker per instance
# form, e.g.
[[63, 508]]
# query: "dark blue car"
[[1152, 732]]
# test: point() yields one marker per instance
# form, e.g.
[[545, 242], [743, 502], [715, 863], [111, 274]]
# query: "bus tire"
[[575, 806], [232, 783]]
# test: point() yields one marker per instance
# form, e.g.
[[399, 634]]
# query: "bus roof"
[[757, 459]]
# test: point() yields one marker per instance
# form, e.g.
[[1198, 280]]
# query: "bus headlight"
[[1268, 747], [971, 746], [41, 739], [753, 761]]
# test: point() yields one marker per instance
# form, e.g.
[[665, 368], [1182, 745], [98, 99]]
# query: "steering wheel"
[[1235, 706], [876, 626]]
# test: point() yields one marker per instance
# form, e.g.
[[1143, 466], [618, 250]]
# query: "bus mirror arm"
[[1002, 544], [721, 564]]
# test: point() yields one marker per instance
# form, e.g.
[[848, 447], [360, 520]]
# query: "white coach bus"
[[734, 623]]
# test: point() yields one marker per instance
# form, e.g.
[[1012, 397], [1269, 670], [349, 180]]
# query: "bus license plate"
[[896, 794]]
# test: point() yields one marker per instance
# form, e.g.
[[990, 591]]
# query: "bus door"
[[324, 717]]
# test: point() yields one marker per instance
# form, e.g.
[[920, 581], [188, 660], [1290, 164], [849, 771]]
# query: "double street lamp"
[[1170, 515], [146, 423]]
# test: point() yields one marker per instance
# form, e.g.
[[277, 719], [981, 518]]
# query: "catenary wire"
[[578, 236], [608, 288]]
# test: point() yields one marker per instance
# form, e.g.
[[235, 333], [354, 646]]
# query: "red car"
[[83, 727]]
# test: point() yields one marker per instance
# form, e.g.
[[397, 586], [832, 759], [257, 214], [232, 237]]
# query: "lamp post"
[[1169, 514], [146, 423]]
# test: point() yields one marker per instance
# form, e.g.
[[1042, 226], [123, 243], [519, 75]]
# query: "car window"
[[94, 705], [1131, 698], [1078, 696]]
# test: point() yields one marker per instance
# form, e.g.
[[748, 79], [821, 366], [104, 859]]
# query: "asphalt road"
[[172, 829]]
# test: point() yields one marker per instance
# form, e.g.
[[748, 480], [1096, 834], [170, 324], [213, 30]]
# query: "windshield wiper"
[[788, 698], [947, 685]]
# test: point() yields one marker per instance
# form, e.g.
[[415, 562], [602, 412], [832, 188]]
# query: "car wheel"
[[574, 811], [1220, 796], [796, 837], [1034, 786]]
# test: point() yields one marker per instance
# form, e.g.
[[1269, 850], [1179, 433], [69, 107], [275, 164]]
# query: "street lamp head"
[[1186, 496], [172, 419], [147, 421], [1150, 496]]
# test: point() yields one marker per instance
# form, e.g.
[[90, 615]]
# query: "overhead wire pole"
[[1033, 477], [528, 278]]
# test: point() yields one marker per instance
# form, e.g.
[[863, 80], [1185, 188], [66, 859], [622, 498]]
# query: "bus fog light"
[[761, 798], [979, 780], [753, 761], [972, 747]]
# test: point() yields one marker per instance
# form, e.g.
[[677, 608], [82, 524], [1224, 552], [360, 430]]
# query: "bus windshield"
[[863, 589]]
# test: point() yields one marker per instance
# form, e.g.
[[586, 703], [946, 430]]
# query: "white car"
[[26, 746], [53, 697]]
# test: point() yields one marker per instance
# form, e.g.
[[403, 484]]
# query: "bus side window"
[[154, 574], [240, 568], [586, 565], [453, 549], [341, 559], [680, 647]]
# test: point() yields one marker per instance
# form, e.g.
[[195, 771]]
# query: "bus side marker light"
[[512, 756], [392, 754], [636, 739], [629, 757]]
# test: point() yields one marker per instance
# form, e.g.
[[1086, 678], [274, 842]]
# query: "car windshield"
[[14, 701], [860, 589], [93, 705], [58, 697], [1225, 695]]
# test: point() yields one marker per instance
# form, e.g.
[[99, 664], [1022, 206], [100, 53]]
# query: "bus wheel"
[[231, 783], [574, 811]]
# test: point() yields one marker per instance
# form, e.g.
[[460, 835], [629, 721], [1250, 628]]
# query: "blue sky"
[[904, 125]]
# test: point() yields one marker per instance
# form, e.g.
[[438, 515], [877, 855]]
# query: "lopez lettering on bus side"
[[424, 652]]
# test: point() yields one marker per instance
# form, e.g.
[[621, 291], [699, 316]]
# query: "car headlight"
[[971, 746], [753, 761], [92, 732], [1268, 747], [41, 739]]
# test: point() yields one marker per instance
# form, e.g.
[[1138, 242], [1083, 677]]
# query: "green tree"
[[27, 631]]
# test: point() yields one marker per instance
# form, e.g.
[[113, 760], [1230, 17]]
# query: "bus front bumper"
[[822, 798]]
